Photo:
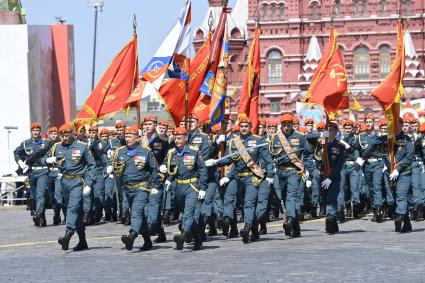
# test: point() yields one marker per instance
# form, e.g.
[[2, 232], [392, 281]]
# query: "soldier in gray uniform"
[[78, 172]]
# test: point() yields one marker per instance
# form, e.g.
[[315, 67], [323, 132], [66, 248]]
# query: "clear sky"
[[154, 17]]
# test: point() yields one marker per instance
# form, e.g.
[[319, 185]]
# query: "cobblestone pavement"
[[362, 251]]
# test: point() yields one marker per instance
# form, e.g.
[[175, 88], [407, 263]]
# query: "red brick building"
[[295, 32]]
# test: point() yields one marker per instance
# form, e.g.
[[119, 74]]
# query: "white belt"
[[349, 162], [54, 169], [39, 167], [373, 159]]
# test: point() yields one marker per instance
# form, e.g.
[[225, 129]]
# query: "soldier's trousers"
[[290, 180], [54, 184], [331, 197], [373, 177], [138, 201], [218, 203], [389, 193], [229, 202], [188, 203], [154, 207], [73, 195], [314, 191], [349, 173], [417, 193], [208, 202], [256, 199], [38, 183], [99, 193], [169, 197], [109, 192], [123, 203], [402, 190]]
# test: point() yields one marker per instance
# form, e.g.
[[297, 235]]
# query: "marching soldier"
[[77, 168], [114, 144], [159, 147], [37, 171], [294, 164], [417, 164], [349, 172], [331, 183], [372, 153], [137, 168], [250, 175], [108, 178], [186, 167], [401, 177], [162, 129]]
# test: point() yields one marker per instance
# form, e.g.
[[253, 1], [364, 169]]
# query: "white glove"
[[210, 162], [394, 175], [109, 170], [110, 153], [154, 191], [51, 160], [308, 184], [111, 176], [270, 180], [201, 194], [306, 175], [347, 146], [326, 183], [360, 161], [163, 169], [224, 181], [86, 190], [220, 139], [324, 134], [384, 169], [167, 185], [59, 176], [22, 164]]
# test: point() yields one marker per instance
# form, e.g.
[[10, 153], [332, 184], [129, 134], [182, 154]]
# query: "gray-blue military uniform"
[[417, 168], [37, 176], [78, 169], [186, 167], [404, 155], [138, 172], [290, 176], [54, 183]]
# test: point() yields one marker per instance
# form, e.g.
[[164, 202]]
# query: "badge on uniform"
[[76, 156], [139, 161], [197, 140], [189, 161], [295, 142]]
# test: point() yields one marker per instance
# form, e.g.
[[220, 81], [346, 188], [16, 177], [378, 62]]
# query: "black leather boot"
[[82, 243], [245, 233], [108, 214], [128, 240], [147, 245], [57, 217], [161, 236], [349, 211], [36, 219], [197, 241], [233, 229], [179, 240], [288, 227], [64, 241], [378, 210], [166, 218], [356, 211], [322, 211], [213, 230], [124, 217], [86, 219], [43, 222], [407, 226], [225, 226], [263, 226], [313, 211], [385, 210], [296, 229], [328, 227], [398, 222], [255, 235], [340, 215]]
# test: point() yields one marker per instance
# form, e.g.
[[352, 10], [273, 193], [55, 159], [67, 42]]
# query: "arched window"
[[361, 64], [282, 12], [274, 67], [265, 13], [314, 11], [356, 7], [364, 8], [337, 8], [273, 8], [384, 61], [383, 7]]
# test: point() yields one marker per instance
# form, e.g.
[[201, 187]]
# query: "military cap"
[[179, 131]]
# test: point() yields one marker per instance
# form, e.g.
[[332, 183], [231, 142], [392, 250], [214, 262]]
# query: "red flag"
[[329, 82], [173, 91], [389, 92], [115, 86], [248, 103]]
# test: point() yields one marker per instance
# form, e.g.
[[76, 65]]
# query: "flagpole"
[[139, 119], [186, 98]]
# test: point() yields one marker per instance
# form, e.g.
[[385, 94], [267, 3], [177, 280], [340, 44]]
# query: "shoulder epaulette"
[[81, 142], [121, 147]]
